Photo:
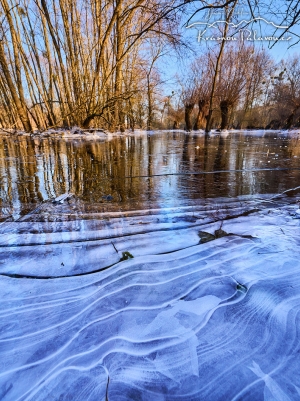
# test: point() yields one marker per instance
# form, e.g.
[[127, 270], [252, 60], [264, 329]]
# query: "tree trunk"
[[130, 116], [118, 114], [20, 107], [224, 106], [132, 123], [217, 68], [289, 121], [86, 123], [150, 112], [57, 47], [200, 120], [187, 115]]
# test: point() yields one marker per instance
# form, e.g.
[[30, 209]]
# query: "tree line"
[[251, 91], [236, 84], [95, 63], [80, 62]]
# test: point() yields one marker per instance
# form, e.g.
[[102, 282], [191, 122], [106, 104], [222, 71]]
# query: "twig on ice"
[[106, 394]]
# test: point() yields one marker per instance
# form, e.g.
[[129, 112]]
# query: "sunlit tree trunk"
[[19, 103], [200, 119], [217, 67], [187, 115], [224, 106]]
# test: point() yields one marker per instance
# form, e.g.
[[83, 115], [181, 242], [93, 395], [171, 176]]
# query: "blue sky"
[[280, 50]]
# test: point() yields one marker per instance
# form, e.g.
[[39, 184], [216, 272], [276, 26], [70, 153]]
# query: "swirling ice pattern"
[[214, 321]]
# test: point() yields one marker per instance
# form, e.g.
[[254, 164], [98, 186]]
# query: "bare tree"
[[232, 80], [258, 69], [286, 90], [65, 61], [228, 9], [188, 98], [203, 83]]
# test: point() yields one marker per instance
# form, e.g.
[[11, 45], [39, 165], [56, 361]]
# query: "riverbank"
[[99, 133]]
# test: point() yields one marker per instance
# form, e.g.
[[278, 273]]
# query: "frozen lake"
[[172, 273], [141, 171]]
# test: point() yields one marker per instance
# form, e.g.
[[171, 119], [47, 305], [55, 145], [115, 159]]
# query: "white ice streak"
[[214, 321]]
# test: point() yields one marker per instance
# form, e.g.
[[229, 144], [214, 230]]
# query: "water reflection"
[[137, 171]]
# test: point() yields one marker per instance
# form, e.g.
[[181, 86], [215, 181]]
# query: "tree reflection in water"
[[163, 169]]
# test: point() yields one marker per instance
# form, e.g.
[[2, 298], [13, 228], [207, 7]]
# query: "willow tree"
[[11, 72], [203, 76], [64, 62], [189, 99], [259, 65], [232, 80], [285, 92], [228, 9]]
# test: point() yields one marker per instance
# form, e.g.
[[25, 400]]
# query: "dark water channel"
[[164, 169]]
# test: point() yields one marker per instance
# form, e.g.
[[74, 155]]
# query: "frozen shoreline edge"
[[100, 134]]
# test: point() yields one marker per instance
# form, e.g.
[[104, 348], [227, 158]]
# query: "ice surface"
[[179, 321]]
